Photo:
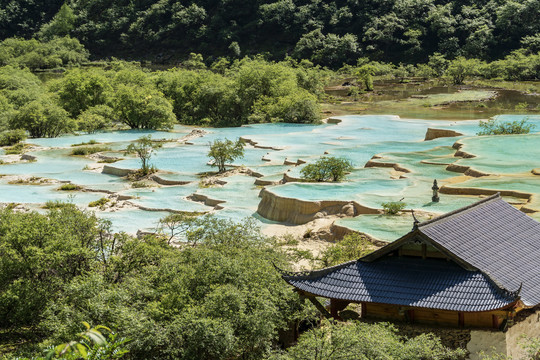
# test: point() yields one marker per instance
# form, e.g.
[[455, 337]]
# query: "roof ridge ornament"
[[495, 196], [415, 222]]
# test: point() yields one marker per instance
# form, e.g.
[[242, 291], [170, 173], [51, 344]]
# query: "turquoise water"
[[39, 194], [381, 227], [167, 197], [358, 138], [508, 154]]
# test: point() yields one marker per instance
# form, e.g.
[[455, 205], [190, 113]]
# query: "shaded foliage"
[[34, 54], [328, 33], [220, 299], [357, 340]]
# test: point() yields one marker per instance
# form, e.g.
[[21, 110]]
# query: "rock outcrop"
[[332, 121], [453, 190], [432, 133], [28, 157], [466, 170], [195, 133], [295, 211], [206, 200], [163, 181], [397, 167], [339, 231], [256, 144], [112, 170]]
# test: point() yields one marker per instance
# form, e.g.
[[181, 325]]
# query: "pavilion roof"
[[495, 260], [429, 283]]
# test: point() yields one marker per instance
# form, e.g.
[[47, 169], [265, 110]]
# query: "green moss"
[[87, 150], [69, 187], [90, 142], [99, 203]]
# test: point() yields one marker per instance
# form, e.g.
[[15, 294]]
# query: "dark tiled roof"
[[495, 238], [429, 283]]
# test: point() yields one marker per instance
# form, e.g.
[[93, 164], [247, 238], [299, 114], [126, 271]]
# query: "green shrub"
[[56, 204], [359, 340], [492, 127], [69, 187], [392, 208], [522, 106], [15, 149], [99, 203], [139, 184], [87, 150], [144, 147], [90, 142], [327, 169], [108, 160], [33, 180], [12, 137]]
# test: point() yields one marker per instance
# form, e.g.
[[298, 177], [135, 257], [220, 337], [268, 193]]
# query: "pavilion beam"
[[319, 306]]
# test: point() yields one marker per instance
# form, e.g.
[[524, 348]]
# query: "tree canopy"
[[329, 34], [221, 299]]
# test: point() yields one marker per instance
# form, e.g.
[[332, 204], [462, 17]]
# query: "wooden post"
[[336, 306], [461, 320], [363, 310], [410, 314], [495, 321]]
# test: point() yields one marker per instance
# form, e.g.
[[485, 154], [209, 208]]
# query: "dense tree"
[[221, 299], [460, 69], [95, 118], [330, 49], [328, 33], [6, 112], [327, 168], [42, 118], [34, 54], [12, 137], [40, 254], [19, 86], [60, 25], [253, 90], [142, 108], [223, 152], [80, 89], [143, 147]]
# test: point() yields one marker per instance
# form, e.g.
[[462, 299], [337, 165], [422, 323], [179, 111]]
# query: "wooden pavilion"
[[476, 267]]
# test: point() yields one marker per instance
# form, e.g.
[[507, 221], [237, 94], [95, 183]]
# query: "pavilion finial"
[[416, 222]]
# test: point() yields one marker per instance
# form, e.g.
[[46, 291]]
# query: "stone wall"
[[528, 326], [506, 343]]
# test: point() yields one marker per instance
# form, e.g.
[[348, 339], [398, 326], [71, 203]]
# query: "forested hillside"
[[326, 32]]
